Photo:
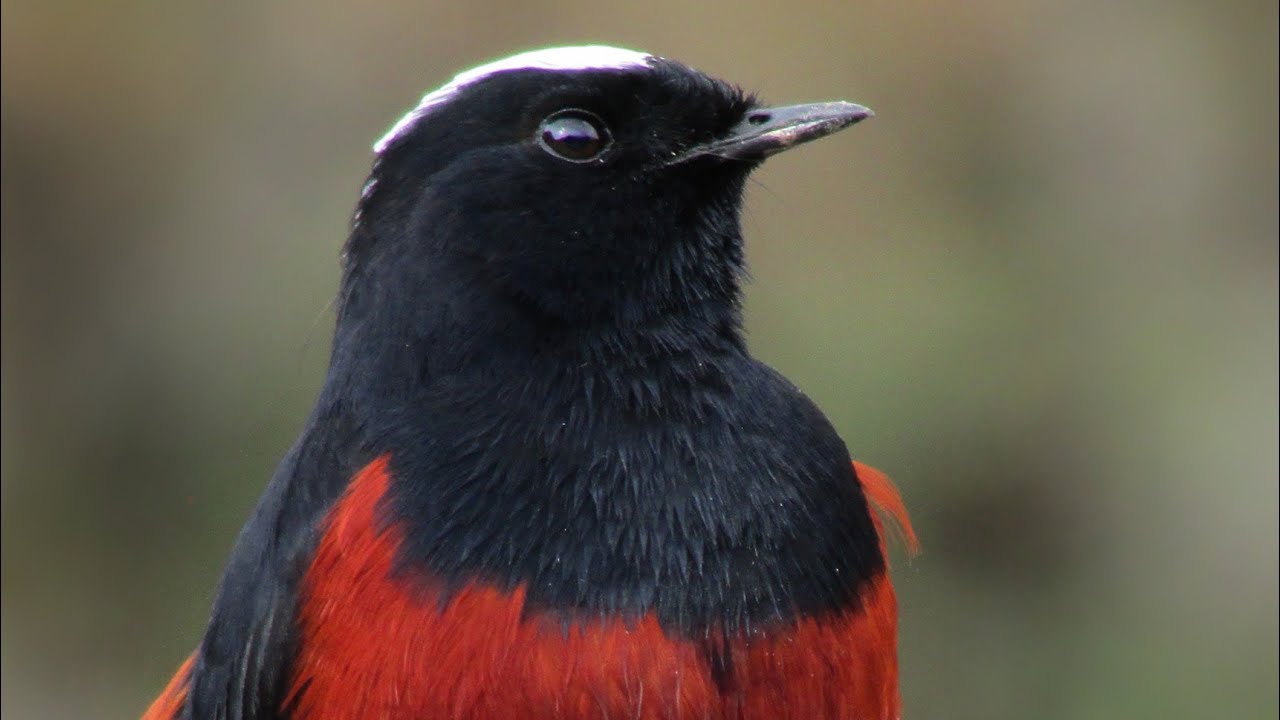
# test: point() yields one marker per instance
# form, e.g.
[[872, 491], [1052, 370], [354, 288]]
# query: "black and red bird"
[[545, 478]]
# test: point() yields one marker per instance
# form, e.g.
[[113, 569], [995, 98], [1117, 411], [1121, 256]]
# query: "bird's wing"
[[239, 670]]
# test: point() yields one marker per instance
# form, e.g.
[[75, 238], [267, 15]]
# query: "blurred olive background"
[[1039, 289]]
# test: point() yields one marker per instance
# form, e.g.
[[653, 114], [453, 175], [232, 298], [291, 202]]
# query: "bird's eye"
[[574, 135]]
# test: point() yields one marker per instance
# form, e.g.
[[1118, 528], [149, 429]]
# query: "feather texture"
[[379, 644]]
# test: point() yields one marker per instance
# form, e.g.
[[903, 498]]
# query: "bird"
[[544, 476]]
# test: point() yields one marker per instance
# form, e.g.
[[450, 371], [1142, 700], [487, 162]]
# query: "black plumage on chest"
[[712, 494]]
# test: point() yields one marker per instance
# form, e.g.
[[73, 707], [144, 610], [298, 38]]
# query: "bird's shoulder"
[[242, 666]]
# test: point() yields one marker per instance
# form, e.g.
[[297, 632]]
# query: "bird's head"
[[579, 183]]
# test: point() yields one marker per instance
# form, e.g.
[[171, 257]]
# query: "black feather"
[[552, 355]]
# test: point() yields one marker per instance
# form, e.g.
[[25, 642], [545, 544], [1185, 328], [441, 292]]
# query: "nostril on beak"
[[759, 118]]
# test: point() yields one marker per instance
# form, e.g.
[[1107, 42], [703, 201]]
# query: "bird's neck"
[[398, 352]]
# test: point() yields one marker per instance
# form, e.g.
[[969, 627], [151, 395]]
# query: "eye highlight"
[[574, 135]]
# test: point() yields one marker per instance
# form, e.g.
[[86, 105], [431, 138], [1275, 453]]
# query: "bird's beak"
[[767, 131]]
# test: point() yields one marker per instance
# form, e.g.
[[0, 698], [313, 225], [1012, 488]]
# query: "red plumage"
[[378, 646]]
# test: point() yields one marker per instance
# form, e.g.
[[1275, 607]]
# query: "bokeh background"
[[1040, 289]]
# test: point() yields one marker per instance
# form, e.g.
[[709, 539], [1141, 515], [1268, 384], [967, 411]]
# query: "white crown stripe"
[[580, 57]]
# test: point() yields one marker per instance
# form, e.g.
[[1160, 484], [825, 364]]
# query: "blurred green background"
[[1039, 289]]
